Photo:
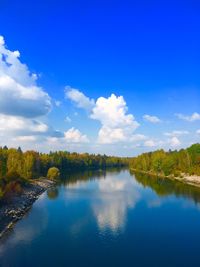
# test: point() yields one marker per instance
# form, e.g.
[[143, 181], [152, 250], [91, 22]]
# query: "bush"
[[53, 173]]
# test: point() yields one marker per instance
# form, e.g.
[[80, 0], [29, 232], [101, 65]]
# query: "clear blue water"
[[108, 219]]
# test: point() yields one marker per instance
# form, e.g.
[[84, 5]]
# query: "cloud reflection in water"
[[112, 197]]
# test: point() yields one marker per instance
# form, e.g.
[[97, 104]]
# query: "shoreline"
[[193, 180], [19, 205]]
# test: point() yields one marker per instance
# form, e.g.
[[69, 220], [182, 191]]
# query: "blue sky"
[[82, 52]]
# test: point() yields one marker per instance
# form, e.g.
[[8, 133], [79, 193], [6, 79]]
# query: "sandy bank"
[[185, 178]]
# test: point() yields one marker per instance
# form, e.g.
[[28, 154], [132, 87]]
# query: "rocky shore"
[[16, 208]]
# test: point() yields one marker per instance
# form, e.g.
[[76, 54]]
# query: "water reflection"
[[90, 214], [165, 187], [111, 198], [116, 195], [53, 193], [27, 229]]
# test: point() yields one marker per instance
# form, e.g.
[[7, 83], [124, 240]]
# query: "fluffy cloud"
[[111, 112], [16, 128], [75, 136], [117, 126], [18, 125], [194, 117], [19, 93], [79, 98], [152, 119], [23, 106]]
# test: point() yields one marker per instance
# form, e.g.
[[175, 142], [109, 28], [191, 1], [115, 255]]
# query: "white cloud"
[[75, 136], [152, 119], [68, 119], [174, 142], [138, 137], [150, 143], [79, 98], [24, 105], [117, 126], [115, 196], [111, 112], [194, 117], [57, 103], [198, 131], [109, 135], [19, 125], [19, 93], [26, 138], [176, 133]]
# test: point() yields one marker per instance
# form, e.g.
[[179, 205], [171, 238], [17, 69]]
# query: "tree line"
[[177, 163], [18, 167], [165, 187]]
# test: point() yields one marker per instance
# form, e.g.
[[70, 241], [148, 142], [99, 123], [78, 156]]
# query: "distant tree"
[[169, 163]]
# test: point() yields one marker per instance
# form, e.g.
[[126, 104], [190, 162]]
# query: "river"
[[111, 218]]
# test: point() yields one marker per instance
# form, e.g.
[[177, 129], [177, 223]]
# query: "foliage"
[[169, 163], [18, 167], [53, 173]]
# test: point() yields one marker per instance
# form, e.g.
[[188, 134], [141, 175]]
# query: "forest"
[[177, 163], [18, 168]]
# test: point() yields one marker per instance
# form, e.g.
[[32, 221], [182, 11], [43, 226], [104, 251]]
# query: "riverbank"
[[193, 180], [17, 207]]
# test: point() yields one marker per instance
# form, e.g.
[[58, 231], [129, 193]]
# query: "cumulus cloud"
[[75, 136], [117, 125], [79, 98], [111, 112], [19, 93], [24, 105], [194, 117], [152, 119], [198, 131], [20, 126]]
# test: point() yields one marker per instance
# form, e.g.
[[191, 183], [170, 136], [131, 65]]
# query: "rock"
[[15, 210]]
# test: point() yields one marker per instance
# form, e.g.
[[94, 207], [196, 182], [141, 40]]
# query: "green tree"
[[53, 173]]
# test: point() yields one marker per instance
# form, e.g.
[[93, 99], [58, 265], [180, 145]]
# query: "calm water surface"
[[108, 219]]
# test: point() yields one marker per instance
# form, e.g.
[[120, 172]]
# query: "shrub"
[[53, 173]]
